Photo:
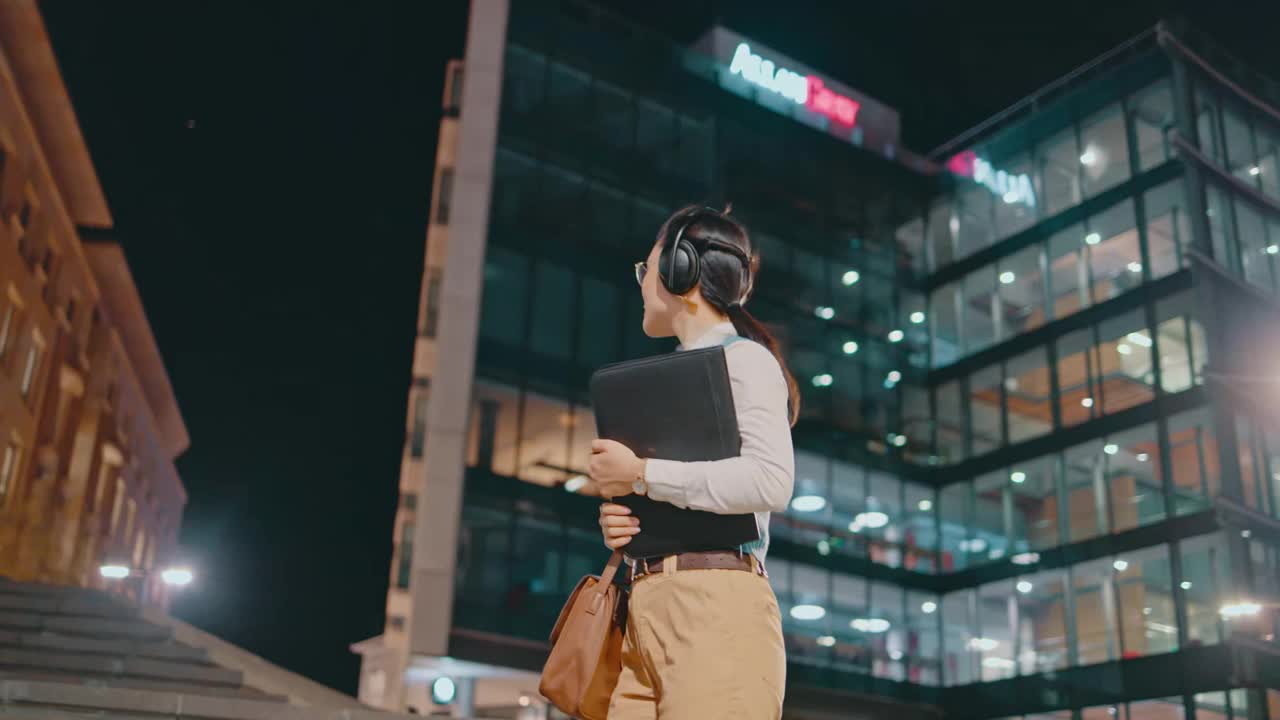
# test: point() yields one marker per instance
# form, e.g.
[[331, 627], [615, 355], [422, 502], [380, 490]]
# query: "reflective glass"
[[1022, 291], [1168, 232], [1068, 272], [1145, 589], [1042, 629], [1133, 478], [1093, 590], [1193, 463], [984, 409], [1104, 152], [1027, 395], [1152, 112], [1060, 172], [1115, 255], [1124, 374], [1034, 489]]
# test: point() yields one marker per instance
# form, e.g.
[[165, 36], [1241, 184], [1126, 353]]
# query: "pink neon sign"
[[807, 90]]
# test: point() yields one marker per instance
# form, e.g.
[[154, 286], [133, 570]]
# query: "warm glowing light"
[[982, 644], [1240, 609], [180, 577], [115, 572], [524, 701], [1087, 402], [808, 503], [808, 612], [870, 625]]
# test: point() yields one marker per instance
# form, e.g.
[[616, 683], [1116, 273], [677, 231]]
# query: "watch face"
[[638, 487]]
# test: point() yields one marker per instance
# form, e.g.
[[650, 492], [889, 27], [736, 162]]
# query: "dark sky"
[[269, 163]]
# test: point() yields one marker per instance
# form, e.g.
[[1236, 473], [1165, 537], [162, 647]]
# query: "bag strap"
[[606, 581]]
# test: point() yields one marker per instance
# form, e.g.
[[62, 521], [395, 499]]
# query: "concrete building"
[[89, 426], [1035, 474]]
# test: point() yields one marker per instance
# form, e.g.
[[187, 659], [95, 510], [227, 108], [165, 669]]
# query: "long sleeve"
[[762, 477]]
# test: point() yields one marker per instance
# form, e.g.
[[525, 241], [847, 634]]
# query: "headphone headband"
[[680, 260]]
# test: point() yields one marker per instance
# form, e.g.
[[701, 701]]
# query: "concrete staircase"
[[76, 653]]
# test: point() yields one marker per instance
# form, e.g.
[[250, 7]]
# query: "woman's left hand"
[[614, 468]]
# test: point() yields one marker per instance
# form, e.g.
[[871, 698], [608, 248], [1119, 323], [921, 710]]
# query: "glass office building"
[[1034, 464]]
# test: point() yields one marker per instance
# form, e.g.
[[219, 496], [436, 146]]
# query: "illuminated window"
[[7, 329], [1168, 234], [34, 354], [8, 469]]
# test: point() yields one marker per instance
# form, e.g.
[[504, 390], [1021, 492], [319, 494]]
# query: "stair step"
[[132, 683], [101, 665], [87, 626], [170, 651], [56, 605], [120, 701]]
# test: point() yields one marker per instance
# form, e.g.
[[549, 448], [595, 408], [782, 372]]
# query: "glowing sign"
[[1009, 187], [807, 90]]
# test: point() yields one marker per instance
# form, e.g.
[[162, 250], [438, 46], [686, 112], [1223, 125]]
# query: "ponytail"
[[749, 327]]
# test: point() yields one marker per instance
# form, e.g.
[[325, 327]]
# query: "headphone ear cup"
[[685, 268]]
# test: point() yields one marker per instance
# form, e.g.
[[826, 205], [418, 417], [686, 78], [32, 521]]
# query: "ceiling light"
[[851, 277], [1018, 476], [893, 376], [925, 505], [1087, 402], [808, 503], [850, 347], [1135, 267], [1007, 277], [1124, 349], [895, 336], [827, 641], [1185, 585], [983, 644], [928, 607], [1255, 170], [1093, 238], [808, 612], [917, 317], [1111, 448], [1024, 587], [1140, 339], [1088, 157], [1142, 457], [1027, 558], [1120, 565], [824, 312], [872, 519], [870, 625]]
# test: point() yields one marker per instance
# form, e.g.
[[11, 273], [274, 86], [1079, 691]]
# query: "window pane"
[[552, 310], [1251, 232], [1152, 111], [1124, 373], [1239, 144], [1077, 364], [1060, 172], [599, 312], [950, 426], [944, 318], [1193, 460], [911, 240], [1115, 259], [506, 277], [1133, 478], [996, 602], [1026, 385], [1218, 207], [1042, 622], [1012, 217], [941, 234], [1146, 602], [979, 307], [923, 651], [1105, 155], [984, 409], [1035, 505], [1095, 620], [957, 639], [1204, 574], [1068, 272], [975, 209], [1085, 467], [1182, 344], [1168, 234], [1022, 292], [956, 516]]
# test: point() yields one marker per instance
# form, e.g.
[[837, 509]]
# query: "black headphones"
[[680, 261]]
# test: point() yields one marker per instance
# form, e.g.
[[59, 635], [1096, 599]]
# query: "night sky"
[[269, 165]]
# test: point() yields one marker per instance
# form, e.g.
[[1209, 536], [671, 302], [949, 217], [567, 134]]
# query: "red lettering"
[[831, 104]]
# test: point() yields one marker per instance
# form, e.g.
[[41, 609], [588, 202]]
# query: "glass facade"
[[1008, 407]]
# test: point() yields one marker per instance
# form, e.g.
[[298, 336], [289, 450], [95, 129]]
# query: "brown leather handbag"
[[586, 647]]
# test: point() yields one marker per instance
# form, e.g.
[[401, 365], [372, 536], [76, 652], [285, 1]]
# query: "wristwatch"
[[639, 486]]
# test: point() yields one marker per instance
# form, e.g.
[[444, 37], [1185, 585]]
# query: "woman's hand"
[[617, 525], [614, 468]]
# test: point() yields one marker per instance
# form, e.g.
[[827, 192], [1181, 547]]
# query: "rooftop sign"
[[747, 68]]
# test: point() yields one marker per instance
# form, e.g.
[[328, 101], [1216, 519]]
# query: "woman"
[[705, 643]]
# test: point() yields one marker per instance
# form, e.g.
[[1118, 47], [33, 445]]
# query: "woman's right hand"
[[617, 525]]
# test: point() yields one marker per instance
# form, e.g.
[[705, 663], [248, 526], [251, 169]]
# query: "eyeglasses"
[[642, 268]]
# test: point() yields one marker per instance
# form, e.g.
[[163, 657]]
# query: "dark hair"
[[727, 284]]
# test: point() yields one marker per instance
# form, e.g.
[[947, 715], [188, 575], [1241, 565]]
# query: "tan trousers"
[[701, 645]]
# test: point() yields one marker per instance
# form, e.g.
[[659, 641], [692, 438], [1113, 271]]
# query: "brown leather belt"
[[710, 560]]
